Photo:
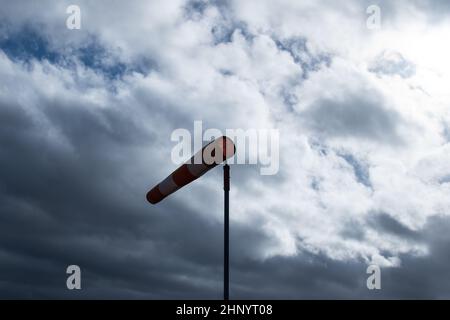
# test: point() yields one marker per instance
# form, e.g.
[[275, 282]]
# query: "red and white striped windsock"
[[207, 158]]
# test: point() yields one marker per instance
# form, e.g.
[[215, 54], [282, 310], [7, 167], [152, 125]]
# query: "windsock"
[[204, 160]]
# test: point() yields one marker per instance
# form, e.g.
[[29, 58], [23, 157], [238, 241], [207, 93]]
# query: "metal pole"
[[226, 235]]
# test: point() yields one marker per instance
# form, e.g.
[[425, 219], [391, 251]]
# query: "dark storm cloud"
[[27, 44], [298, 49], [436, 9], [316, 276]]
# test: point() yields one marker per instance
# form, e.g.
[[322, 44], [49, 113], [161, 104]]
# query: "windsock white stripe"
[[167, 186]]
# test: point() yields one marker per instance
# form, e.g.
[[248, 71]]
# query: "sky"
[[86, 118]]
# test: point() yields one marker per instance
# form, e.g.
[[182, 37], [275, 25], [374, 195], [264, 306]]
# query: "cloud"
[[86, 118]]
